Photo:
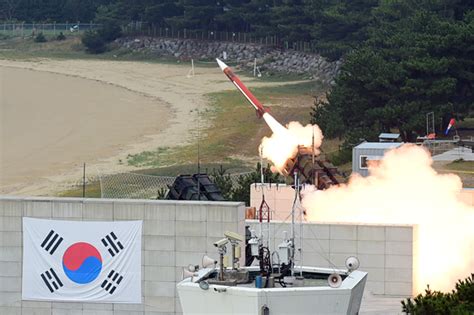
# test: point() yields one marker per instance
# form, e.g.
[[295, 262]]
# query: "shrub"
[[459, 301], [110, 31], [40, 38], [94, 43], [61, 36]]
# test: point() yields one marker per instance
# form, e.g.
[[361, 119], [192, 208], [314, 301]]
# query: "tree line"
[[335, 25], [417, 57]]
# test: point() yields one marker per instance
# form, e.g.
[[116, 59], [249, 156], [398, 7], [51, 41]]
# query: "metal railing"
[[151, 30], [32, 29]]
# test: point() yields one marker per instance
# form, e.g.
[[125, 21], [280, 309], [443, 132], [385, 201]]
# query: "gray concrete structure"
[[385, 252], [369, 151], [175, 234]]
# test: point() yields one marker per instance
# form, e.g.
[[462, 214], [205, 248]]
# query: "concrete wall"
[[385, 252], [175, 234]]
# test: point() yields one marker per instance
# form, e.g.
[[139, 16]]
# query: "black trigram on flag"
[[51, 242], [112, 281], [112, 244], [51, 280]]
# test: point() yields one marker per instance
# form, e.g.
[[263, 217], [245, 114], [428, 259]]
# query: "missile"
[[242, 88]]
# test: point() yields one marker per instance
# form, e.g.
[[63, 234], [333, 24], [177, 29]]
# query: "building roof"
[[378, 145], [393, 136]]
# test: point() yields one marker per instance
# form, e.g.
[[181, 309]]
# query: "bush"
[[94, 43], [110, 31], [61, 36], [40, 38], [459, 301]]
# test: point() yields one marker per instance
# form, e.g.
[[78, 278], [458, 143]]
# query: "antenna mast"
[[198, 154]]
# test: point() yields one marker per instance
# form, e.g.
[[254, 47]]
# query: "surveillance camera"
[[234, 236], [221, 242]]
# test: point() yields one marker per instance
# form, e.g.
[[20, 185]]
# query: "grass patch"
[[92, 191], [232, 166], [461, 165], [268, 76], [466, 123], [17, 48]]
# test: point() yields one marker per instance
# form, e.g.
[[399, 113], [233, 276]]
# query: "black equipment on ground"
[[194, 187]]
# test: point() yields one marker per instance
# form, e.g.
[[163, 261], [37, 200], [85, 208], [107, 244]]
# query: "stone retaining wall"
[[268, 58]]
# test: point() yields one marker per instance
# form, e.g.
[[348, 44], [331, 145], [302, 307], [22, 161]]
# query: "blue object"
[[258, 282]]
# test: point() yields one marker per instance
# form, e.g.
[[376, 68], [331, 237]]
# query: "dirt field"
[[57, 114]]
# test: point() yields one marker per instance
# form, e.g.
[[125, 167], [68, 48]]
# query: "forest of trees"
[[402, 58], [418, 57], [333, 24]]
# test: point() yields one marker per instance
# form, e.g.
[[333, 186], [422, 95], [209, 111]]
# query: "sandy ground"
[[57, 114]]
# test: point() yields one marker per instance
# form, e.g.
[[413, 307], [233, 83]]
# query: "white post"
[[255, 67], [192, 67]]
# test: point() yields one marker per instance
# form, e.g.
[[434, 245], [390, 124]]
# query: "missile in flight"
[[242, 88]]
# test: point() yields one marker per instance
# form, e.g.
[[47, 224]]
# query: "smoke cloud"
[[404, 189]]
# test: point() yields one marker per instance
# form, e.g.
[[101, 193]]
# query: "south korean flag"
[[82, 261]]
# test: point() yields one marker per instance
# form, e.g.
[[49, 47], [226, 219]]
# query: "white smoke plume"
[[405, 189]]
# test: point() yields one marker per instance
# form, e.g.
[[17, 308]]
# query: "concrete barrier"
[[175, 234]]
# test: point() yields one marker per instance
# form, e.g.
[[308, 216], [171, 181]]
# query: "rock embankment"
[[268, 58]]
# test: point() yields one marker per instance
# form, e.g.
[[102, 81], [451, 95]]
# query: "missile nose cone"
[[221, 64]]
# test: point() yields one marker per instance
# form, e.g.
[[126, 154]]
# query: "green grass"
[[466, 123], [268, 76], [461, 165], [92, 191], [26, 49]]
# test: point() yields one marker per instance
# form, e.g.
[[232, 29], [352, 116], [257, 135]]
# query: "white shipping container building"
[[369, 151]]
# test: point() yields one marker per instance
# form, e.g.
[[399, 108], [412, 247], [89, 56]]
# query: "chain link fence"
[[141, 186], [440, 146], [151, 30], [50, 29]]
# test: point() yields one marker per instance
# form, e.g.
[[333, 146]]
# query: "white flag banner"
[[82, 261]]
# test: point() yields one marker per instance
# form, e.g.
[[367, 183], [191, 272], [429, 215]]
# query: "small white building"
[[369, 151], [389, 137]]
